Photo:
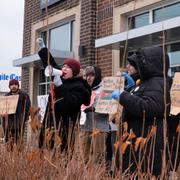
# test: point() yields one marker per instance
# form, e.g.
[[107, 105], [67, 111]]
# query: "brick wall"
[[104, 28], [32, 14], [88, 31], [96, 22]]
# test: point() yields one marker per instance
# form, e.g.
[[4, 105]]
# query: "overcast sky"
[[11, 33]]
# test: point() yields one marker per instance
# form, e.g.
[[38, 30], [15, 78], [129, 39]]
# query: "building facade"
[[95, 32]]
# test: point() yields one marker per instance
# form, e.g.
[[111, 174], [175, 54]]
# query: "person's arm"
[[43, 54], [72, 99], [151, 103]]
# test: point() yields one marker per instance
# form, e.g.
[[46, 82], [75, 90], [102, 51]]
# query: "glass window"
[[44, 83], [174, 57], [166, 12], [139, 20], [61, 37]]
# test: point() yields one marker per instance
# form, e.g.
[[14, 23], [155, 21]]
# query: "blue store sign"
[[7, 77]]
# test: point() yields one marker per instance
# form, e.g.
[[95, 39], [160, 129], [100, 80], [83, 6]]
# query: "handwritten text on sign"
[[112, 83], [175, 95], [105, 103], [8, 104]]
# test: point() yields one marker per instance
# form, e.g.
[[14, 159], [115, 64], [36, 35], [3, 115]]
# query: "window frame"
[[151, 13], [42, 33]]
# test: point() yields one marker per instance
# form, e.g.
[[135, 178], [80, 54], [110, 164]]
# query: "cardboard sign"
[[8, 104], [175, 95], [112, 83], [105, 104]]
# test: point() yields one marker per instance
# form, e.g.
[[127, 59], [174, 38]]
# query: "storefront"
[[95, 32], [145, 24]]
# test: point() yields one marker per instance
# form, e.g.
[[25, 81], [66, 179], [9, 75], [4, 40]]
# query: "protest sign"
[[105, 104], [8, 104], [175, 95], [112, 83], [42, 103]]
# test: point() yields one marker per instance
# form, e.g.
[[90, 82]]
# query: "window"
[[139, 20], [174, 57], [44, 83], [166, 12], [156, 15], [60, 38]]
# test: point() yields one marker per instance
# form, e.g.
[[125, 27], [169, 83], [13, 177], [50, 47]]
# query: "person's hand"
[[116, 94], [89, 109], [57, 81], [130, 81], [40, 43]]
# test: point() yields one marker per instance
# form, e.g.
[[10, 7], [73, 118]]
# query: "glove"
[[130, 81], [89, 109], [116, 94], [57, 81], [40, 43]]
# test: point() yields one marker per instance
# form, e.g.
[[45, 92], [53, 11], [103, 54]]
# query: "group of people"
[[145, 101]]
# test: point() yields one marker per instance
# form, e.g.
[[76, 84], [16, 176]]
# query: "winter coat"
[[69, 97], [94, 119], [147, 100], [22, 111]]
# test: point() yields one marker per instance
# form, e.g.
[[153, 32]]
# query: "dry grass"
[[29, 162], [42, 164]]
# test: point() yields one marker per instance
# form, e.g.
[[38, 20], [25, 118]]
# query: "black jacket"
[[69, 97], [22, 111], [148, 98]]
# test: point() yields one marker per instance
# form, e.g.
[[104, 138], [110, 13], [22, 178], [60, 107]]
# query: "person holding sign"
[[70, 91], [94, 128], [14, 124], [144, 111]]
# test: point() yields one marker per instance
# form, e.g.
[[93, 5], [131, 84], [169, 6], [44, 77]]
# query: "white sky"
[[11, 36], [11, 33]]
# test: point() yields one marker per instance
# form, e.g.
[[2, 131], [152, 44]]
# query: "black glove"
[[89, 109]]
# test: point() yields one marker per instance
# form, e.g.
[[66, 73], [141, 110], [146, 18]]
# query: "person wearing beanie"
[[16, 122], [93, 120], [69, 93]]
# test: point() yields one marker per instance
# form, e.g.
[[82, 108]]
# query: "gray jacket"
[[93, 119]]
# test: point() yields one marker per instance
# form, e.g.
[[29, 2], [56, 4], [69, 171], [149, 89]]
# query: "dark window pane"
[[140, 20], [174, 54]]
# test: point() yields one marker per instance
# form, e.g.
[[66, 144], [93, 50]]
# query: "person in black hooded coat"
[[144, 107], [69, 93]]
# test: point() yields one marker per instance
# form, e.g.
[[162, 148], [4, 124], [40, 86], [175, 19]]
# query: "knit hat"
[[74, 65], [132, 59], [89, 70], [13, 81]]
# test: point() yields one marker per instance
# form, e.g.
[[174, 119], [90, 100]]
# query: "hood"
[[150, 62], [97, 79]]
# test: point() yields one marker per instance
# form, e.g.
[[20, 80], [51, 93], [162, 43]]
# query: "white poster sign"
[[42, 103]]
